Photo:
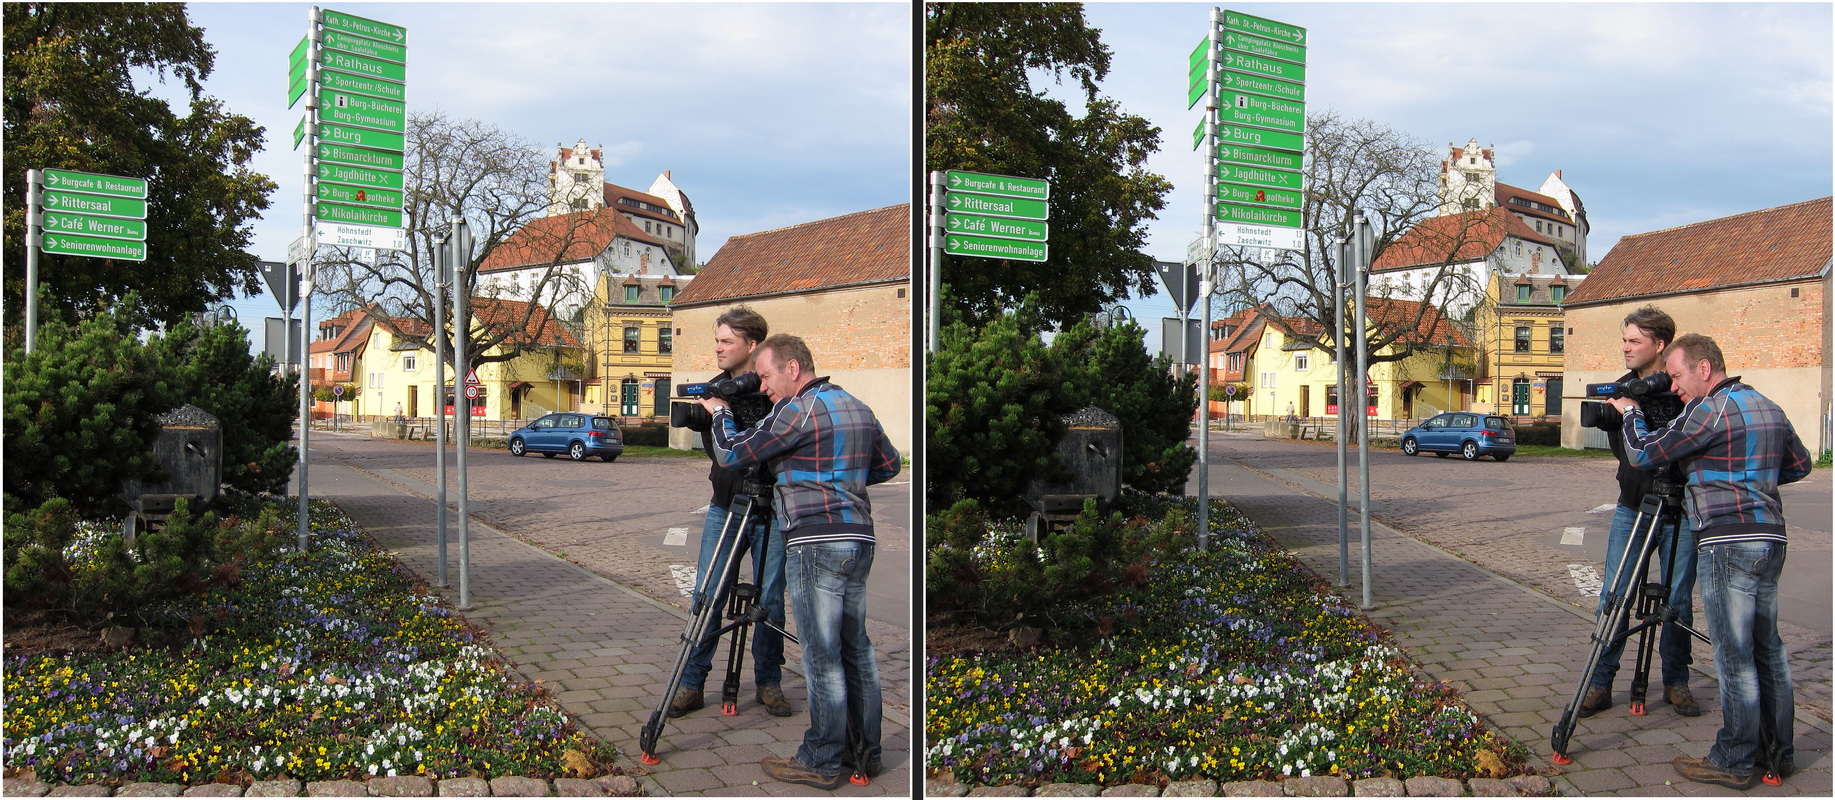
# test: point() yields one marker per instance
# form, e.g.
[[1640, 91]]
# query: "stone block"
[[23, 787], [1252, 789], [336, 789], [575, 787], [1378, 787], [1132, 790], [937, 788], [1317, 786], [1190, 789], [1009, 790], [276, 789], [1427, 786], [518, 786], [401, 786], [1532, 785], [214, 790], [618, 785], [463, 787], [1067, 790], [1491, 787], [84, 790], [145, 789]]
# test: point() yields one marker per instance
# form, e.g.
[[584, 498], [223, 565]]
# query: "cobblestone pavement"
[[585, 601], [1467, 593]]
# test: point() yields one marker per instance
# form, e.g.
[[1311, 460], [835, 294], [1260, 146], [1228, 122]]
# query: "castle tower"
[[678, 202], [1468, 179], [576, 179]]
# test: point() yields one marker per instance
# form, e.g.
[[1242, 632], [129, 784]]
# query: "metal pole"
[[461, 366], [307, 196], [1339, 288], [936, 259], [442, 272], [1205, 280], [1363, 395], [34, 236]]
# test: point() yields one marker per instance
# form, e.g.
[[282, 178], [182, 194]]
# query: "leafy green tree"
[[983, 114], [71, 102], [1109, 368], [211, 368]]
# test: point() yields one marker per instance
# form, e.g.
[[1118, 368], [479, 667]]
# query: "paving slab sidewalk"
[[1512, 652], [603, 649]]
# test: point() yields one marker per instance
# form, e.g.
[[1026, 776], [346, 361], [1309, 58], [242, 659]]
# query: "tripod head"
[[1667, 482]]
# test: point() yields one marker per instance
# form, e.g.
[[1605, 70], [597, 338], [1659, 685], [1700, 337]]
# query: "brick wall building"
[[1758, 283], [843, 284]]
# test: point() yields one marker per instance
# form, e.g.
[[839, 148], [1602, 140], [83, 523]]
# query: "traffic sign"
[[361, 137], [373, 237], [1279, 31], [349, 23], [106, 206], [361, 46], [1258, 215], [1264, 67], [106, 227], [358, 176], [368, 112], [297, 71], [1261, 112], [1258, 84], [998, 185], [92, 183], [337, 391], [1230, 390], [366, 195], [94, 247], [471, 392], [1261, 137], [376, 159], [1198, 68], [1269, 236], [358, 215], [1258, 176], [1230, 193], [998, 227], [1266, 48], [999, 206], [367, 67], [359, 84], [471, 377], [1258, 157], [984, 247], [297, 251], [1181, 281]]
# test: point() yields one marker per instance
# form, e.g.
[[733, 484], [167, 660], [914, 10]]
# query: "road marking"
[[676, 537], [1573, 536], [1603, 509], [684, 578], [1586, 579]]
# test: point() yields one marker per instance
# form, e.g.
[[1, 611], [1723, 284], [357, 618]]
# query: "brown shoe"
[[772, 698], [1597, 700], [684, 701], [1702, 770], [789, 771], [1684, 702]]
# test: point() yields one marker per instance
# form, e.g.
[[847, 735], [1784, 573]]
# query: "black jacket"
[[1633, 483], [748, 409]]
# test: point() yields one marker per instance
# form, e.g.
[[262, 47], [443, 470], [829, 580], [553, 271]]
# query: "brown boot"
[[1684, 702], [684, 701], [789, 771], [772, 698], [1702, 770], [1597, 700]]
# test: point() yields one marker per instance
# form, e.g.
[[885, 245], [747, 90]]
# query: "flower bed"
[[1232, 664], [330, 664]]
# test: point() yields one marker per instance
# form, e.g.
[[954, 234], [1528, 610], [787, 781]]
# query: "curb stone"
[[1132, 790], [464, 787], [517, 786], [1317, 786], [144, 789], [18, 787], [1491, 787], [577, 787], [935, 788], [1000, 791], [213, 790], [1378, 787], [1424, 786], [1190, 789], [335, 789], [1066, 790], [88, 790], [273, 789], [1252, 789], [401, 786]]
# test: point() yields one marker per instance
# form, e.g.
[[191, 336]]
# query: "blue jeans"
[[1673, 646], [767, 575], [828, 588], [1739, 595]]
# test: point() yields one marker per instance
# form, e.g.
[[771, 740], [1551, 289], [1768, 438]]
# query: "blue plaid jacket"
[[825, 447], [1737, 447]]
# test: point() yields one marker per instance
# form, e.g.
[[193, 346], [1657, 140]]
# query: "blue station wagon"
[[1468, 433], [580, 436]]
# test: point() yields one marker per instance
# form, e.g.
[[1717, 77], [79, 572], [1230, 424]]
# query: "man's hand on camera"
[[1623, 404], [712, 404]]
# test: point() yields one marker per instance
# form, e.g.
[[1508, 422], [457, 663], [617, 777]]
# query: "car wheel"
[[609, 459], [516, 447], [1502, 456], [577, 451], [1469, 452], [1410, 446]]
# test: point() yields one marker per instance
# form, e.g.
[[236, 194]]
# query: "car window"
[[544, 422], [1497, 423], [602, 423], [573, 421], [1436, 422], [1465, 421]]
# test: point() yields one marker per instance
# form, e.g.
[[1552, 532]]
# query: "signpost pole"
[[442, 271], [936, 259], [34, 211], [310, 273], [1339, 288], [461, 365], [1363, 246], [1206, 282]]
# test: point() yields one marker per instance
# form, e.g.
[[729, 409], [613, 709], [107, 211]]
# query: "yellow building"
[[1522, 343], [629, 342], [398, 372], [1287, 368]]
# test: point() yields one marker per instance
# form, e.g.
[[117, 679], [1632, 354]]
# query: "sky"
[[1657, 115], [765, 114]]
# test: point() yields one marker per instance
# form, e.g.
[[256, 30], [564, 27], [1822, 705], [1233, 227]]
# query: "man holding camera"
[[1647, 332], [1737, 447], [737, 334], [825, 447]]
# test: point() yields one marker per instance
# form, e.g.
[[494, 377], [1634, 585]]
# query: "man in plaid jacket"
[[1737, 447], [825, 447]]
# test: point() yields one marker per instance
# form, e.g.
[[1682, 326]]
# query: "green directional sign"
[[377, 159], [358, 65], [998, 227], [1258, 157], [1231, 193], [348, 23], [1255, 83], [984, 247], [75, 203], [92, 183], [998, 185], [1197, 69], [364, 195], [358, 176], [296, 71], [999, 206], [1197, 135], [70, 244], [1266, 48], [1258, 215], [361, 137], [299, 133], [1195, 92], [368, 112], [106, 227], [1263, 67], [358, 215], [1260, 137], [1278, 31], [1260, 176], [358, 84], [358, 45], [1261, 112]]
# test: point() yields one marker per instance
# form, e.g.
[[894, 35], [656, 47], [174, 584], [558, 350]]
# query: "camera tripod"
[[1660, 508]]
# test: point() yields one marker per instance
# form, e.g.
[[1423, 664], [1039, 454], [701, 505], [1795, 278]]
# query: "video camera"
[[695, 418], [1652, 393]]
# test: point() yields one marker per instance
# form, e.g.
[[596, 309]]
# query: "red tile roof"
[[1775, 244], [496, 315], [1505, 192], [1455, 239], [853, 249], [613, 192], [563, 238], [1416, 322]]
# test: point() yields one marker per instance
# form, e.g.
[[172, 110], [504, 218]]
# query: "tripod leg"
[[1608, 628], [744, 597]]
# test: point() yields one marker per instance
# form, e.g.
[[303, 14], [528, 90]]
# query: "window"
[[1557, 293], [668, 293], [646, 226], [410, 363], [343, 362], [1522, 294], [630, 340], [1301, 362], [1522, 339], [1538, 226], [1235, 362], [630, 293], [665, 341], [1557, 342]]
